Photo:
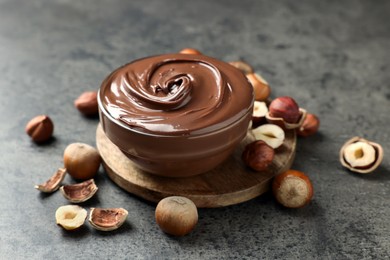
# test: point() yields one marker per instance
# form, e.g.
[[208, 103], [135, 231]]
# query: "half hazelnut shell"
[[79, 192], [362, 169], [107, 219], [53, 183], [283, 124]]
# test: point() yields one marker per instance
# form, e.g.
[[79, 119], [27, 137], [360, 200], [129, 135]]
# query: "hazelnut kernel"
[[40, 128], [272, 135], [310, 125], [286, 108], [70, 217], [87, 103], [258, 155], [360, 155]]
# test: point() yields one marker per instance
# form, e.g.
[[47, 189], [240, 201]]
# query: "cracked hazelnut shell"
[[53, 183], [176, 215], [258, 155], [40, 128], [79, 192], [82, 161], [292, 189], [107, 219], [70, 217], [360, 155]]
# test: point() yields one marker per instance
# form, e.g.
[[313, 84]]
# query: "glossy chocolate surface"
[[176, 94]]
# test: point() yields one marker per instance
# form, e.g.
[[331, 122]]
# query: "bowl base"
[[228, 184]]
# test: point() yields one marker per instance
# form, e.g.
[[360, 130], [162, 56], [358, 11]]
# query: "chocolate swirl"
[[177, 94]]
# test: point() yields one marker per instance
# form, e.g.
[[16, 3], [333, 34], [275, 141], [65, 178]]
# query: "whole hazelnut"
[[242, 66], [176, 215], [258, 155], [190, 51], [260, 86], [310, 125], [40, 128], [82, 161], [87, 103], [286, 108], [292, 189]]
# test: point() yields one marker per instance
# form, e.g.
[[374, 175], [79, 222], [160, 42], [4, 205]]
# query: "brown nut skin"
[[286, 108], [260, 86], [87, 103], [292, 189], [258, 155], [242, 66], [310, 125], [190, 51], [40, 128], [82, 161], [176, 215]]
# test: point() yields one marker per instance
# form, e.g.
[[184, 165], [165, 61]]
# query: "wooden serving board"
[[228, 184]]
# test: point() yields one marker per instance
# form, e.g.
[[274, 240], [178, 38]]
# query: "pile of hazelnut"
[[177, 215]]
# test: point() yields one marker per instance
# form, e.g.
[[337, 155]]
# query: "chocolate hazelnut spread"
[[177, 94]]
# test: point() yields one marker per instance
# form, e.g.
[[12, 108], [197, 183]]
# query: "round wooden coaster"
[[228, 184]]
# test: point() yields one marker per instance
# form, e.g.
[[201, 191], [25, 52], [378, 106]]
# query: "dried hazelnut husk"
[[87, 103], [53, 183], [190, 51], [79, 192], [70, 217], [82, 161], [107, 219], [360, 155], [242, 66], [258, 155], [176, 215], [310, 125], [40, 128], [261, 87]]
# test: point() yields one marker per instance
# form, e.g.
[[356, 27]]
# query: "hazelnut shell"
[[79, 192], [107, 219], [283, 124], [379, 156], [53, 183]]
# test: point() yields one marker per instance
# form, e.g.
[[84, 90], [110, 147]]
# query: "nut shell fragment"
[[79, 192], [285, 125], [53, 183], [107, 219], [359, 144]]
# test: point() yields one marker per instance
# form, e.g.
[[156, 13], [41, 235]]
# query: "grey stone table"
[[332, 56]]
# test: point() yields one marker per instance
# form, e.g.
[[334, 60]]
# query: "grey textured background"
[[331, 56]]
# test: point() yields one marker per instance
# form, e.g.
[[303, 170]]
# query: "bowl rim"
[[170, 135]]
